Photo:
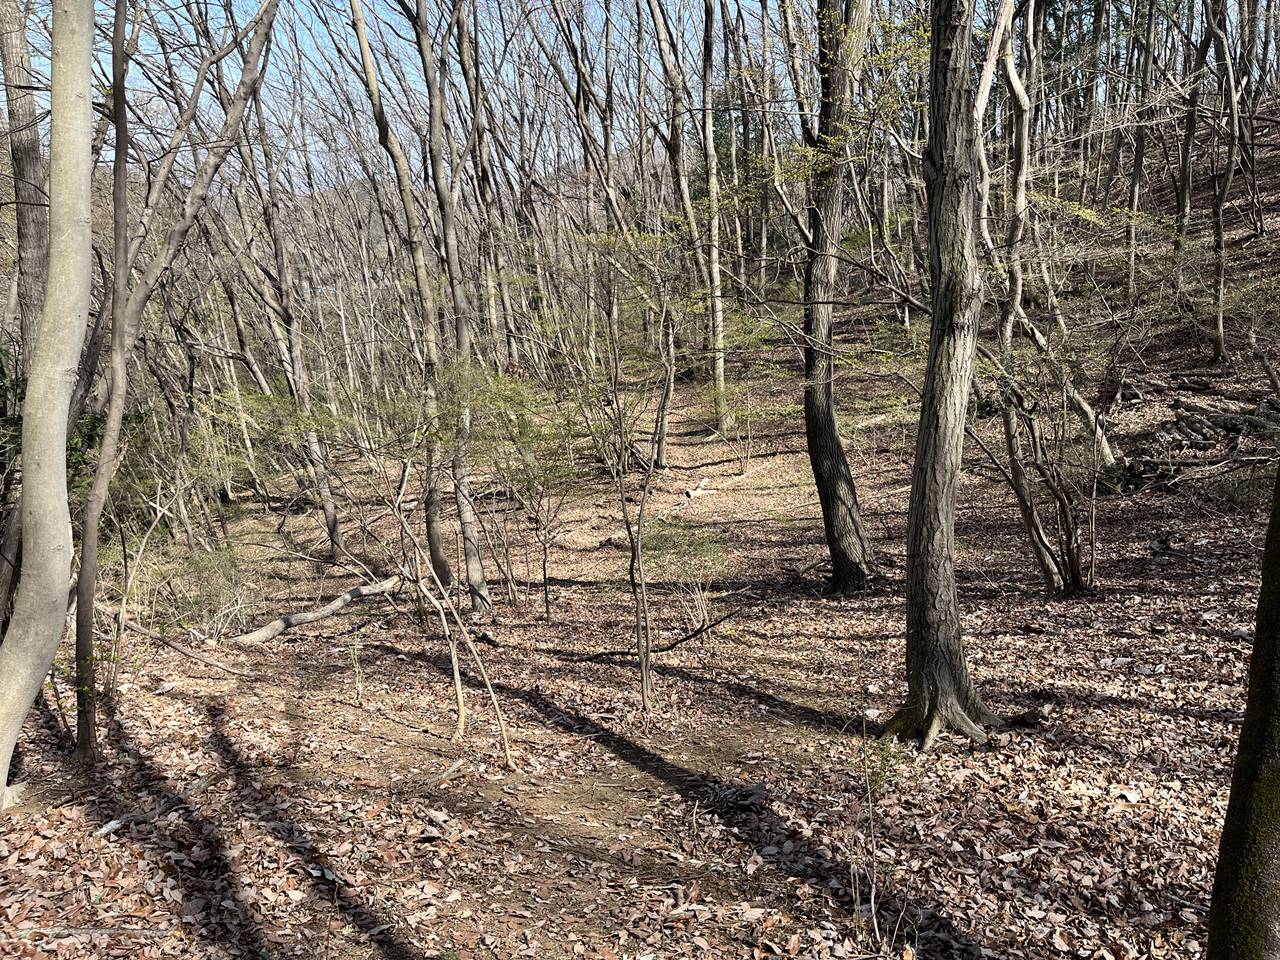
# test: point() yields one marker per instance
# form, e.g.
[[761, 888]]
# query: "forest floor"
[[317, 807]]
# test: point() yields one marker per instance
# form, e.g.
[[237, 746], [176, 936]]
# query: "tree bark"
[[1244, 916], [940, 692], [39, 612], [477, 587], [842, 35], [29, 171], [423, 286], [128, 304]]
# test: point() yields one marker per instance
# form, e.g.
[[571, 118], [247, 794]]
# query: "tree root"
[[12, 795], [923, 724]]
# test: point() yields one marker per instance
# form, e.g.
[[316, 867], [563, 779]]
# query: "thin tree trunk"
[[29, 171], [462, 319], [87, 579], [426, 298], [128, 305], [715, 292], [1216, 23], [1012, 414], [40, 610]]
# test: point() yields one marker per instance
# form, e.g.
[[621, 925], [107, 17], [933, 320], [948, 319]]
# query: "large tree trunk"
[[41, 606], [842, 34], [940, 692], [1244, 918]]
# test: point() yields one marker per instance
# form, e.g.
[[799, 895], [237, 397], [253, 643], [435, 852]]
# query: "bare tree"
[[940, 692], [41, 605], [842, 41], [129, 302]]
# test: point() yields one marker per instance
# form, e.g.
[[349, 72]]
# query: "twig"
[[209, 661], [691, 635]]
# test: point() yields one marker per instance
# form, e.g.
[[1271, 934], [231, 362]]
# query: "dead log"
[[281, 624]]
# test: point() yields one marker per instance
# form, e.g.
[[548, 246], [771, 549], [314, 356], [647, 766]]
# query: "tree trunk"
[[29, 172], [940, 692], [842, 32], [461, 302], [87, 579], [715, 294], [423, 287], [40, 610], [128, 305], [1244, 916], [1216, 22]]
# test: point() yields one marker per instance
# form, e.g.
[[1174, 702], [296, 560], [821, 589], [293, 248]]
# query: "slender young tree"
[[940, 692], [415, 237], [1244, 915], [41, 606], [129, 302]]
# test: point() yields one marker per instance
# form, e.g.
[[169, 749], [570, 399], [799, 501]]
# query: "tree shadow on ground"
[[257, 806], [748, 813], [149, 809], [159, 816]]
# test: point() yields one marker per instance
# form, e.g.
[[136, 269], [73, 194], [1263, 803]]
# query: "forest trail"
[[319, 808]]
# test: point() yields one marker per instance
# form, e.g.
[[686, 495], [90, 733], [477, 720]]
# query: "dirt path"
[[302, 813]]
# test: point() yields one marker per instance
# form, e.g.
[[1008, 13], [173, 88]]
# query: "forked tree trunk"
[[40, 610], [128, 306], [1013, 412], [1244, 916], [842, 36], [441, 181], [940, 692]]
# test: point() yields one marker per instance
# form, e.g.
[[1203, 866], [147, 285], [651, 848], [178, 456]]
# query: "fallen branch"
[[196, 655], [691, 635], [170, 804], [281, 624], [57, 933]]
